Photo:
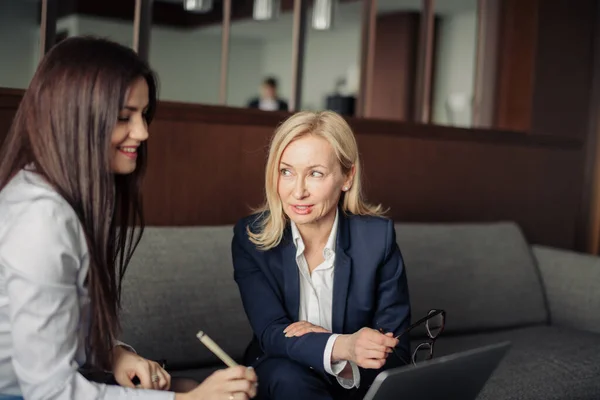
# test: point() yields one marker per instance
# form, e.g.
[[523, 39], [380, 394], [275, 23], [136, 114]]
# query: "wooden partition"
[[393, 79], [9, 101], [207, 168]]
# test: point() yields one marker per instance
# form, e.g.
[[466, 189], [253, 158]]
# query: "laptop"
[[456, 376]]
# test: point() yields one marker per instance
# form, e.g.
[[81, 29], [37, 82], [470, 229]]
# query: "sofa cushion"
[[543, 363], [571, 284], [180, 281], [482, 274]]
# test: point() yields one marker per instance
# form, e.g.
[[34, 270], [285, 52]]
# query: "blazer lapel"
[[291, 279], [341, 276]]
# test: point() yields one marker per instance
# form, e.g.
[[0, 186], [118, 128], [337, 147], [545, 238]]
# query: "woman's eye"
[[316, 174], [123, 119], [285, 172]]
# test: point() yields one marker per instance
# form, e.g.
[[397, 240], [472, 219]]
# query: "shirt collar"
[[329, 250]]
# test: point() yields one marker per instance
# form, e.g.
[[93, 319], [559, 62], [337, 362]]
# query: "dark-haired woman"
[[70, 172]]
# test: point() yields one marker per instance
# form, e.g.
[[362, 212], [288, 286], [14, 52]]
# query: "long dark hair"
[[64, 126]]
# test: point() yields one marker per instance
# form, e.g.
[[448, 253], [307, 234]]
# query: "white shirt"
[[268, 105], [316, 299], [44, 304]]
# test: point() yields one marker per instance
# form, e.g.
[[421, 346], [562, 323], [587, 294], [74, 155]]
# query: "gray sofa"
[[493, 285]]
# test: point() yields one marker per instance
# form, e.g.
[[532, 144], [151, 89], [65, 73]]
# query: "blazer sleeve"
[[393, 304], [265, 310]]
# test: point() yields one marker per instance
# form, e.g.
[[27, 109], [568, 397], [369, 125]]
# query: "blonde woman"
[[318, 268]]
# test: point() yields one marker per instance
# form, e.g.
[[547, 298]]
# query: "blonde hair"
[[333, 128]]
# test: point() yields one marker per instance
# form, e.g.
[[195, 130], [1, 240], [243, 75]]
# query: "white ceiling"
[[347, 14]]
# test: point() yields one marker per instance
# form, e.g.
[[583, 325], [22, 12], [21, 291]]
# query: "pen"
[[212, 346]]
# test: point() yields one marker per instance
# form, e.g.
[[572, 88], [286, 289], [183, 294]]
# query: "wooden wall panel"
[[589, 221], [564, 67], [544, 74], [9, 101], [394, 67], [423, 173], [439, 180], [6, 116], [203, 173], [207, 168], [516, 55]]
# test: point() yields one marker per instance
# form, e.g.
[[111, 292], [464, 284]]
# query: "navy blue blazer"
[[369, 290]]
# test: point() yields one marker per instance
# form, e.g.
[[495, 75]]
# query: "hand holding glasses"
[[434, 326]]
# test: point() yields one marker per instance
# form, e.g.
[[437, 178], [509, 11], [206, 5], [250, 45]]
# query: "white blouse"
[[44, 305], [316, 300]]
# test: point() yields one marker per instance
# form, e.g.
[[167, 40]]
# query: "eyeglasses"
[[434, 326]]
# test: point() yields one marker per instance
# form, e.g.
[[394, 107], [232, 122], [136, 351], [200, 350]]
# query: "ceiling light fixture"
[[266, 10], [198, 6], [323, 11]]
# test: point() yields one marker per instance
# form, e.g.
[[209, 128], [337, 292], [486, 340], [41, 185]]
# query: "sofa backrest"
[[483, 274], [571, 285], [180, 281]]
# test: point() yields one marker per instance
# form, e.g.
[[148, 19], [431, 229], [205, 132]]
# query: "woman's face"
[[131, 129], [311, 180]]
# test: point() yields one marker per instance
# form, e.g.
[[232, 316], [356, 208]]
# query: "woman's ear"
[[349, 179]]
